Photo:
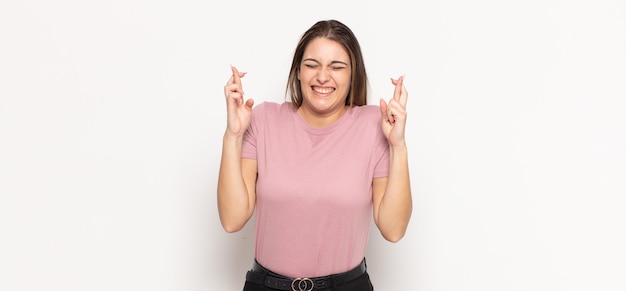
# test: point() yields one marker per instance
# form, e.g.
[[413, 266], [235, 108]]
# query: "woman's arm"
[[236, 194], [237, 177], [392, 195]]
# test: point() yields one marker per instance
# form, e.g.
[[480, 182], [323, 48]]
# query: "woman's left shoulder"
[[367, 111]]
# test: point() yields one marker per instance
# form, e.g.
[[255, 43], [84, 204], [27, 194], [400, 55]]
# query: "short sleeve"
[[249, 146], [381, 153], [381, 169]]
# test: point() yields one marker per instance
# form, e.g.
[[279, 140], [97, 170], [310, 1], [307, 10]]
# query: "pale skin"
[[324, 75]]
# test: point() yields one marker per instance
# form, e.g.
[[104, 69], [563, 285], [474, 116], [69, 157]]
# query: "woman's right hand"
[[239, 112]]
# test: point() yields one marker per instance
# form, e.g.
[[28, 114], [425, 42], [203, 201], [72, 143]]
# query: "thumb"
[[249, 103], [383, 108]]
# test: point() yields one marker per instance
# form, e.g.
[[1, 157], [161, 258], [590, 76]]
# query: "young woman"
[[315, 168]]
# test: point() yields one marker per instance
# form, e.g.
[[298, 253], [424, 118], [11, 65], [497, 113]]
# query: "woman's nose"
[[323, 75]]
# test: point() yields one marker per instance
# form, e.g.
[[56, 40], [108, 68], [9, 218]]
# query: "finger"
[[249, 103], [232, 88], [386, 111], [398, 111], [231, 80], [383, 108], [404, 94], [237, 75], [235, 99], [394, 81], [398, 88]]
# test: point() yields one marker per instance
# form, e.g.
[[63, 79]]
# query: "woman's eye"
[[338, 68], [310, 66]]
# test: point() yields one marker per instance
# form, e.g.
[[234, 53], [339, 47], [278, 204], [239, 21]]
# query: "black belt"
[[267, 278]]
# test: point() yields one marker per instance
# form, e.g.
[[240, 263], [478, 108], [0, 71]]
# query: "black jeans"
[[362, 283]]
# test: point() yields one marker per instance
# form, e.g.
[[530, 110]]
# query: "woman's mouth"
[[322, 90]]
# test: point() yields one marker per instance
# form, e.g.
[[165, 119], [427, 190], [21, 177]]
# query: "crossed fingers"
[[233, 88]]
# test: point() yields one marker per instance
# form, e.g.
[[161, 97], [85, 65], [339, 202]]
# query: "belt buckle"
[[302, 284]]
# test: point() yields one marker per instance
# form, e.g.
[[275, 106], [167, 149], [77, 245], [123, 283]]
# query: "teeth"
[[323, 90]]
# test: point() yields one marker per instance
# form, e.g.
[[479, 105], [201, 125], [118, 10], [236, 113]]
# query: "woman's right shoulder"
[[270, 107]]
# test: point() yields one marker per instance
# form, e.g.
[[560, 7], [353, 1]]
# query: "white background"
[[112, 115]]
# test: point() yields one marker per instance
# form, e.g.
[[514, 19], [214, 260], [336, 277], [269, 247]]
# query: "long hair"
[[336, 31]]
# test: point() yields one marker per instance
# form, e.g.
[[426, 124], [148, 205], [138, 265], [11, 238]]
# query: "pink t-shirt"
[[314, 188]]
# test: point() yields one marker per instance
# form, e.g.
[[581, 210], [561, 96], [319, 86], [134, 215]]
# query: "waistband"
[[267, 278]]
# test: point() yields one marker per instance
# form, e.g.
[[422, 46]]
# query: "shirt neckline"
[[348, 115]]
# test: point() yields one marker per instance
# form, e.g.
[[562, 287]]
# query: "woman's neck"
[[320, 120]]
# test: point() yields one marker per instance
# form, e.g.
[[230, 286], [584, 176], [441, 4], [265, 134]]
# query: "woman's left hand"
[[394, 113]]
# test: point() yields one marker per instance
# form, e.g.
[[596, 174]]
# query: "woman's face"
[[324, 77]]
